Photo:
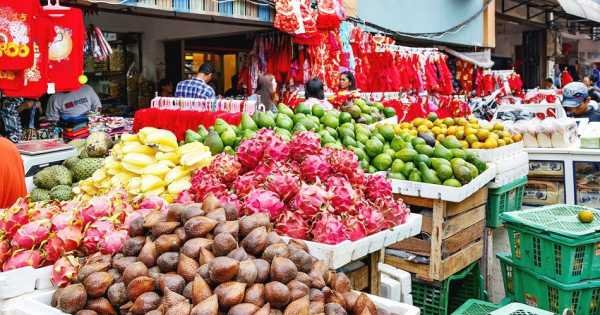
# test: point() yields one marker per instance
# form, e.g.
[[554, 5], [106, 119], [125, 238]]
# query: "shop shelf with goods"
[[442, 298], [451, 237], [475, 307], [551, 241], [525, 286], [504, 199]]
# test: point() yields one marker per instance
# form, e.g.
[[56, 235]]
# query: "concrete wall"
[[427, 16], [157, 30]]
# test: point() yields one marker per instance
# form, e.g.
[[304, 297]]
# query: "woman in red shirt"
[[12, 175]]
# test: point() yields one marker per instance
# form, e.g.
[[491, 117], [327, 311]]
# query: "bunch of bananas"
[[148, 163]]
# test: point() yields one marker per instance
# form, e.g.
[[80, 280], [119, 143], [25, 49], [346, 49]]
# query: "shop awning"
[[587, 9], [481, 58]]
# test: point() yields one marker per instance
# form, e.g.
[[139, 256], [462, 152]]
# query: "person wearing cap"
[[577, 102]]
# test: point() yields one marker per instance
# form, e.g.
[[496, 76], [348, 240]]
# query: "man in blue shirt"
[[197, 87]]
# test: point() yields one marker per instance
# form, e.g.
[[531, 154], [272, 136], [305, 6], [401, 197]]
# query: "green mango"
[[416, 141], [380, 137], [378, 105], [229, 150], [422, 158], [436, 163], [349, 125], [407, 137], [462, 173], [330, 121], [372, 169], [247, 134], [360, 153], [298, 117], [439, 151], [389, 112], [228, 137], [326, 138], [415, 176], [452, 182], [389, 152], [303, 109], [382, 162], [214, 143], [266, 120], [444, 172], [317, 110], [397, 166], [458, 153], [406, 155], [284, 109], [354, 111], [362, 128], [429, 176], [408, 168], [374, 147], [345, 132], [398, 176], [284, 121], [202, 132], [349, 142], [309, 124], [364, 164], [397, 143], [473, 169], [387, 131], [247, 122], [451, 143], [424, 149], [345, 118], [360, 145], [284, 133], [336, 113], [362, 138], [192, 136], [299, 128], [458, 161], [221, 125], [334, 133], [481, 166]]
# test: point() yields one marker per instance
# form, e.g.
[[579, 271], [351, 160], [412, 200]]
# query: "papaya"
[[408, 168], [439, 151], [406, 155], [424, 149], [415, 176]]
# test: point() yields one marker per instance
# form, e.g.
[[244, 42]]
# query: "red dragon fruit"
[[304, 144], [309, 200], [23, 258], [113, 242], [153, 203], [343, 197], [31, 234], [44, 210], [358, 179], [285, 185], [378, 188], [343, 161], [64, 271], [15, 217], [98, 207], [226, 167], [291, 224], [276, 150], [71, 236], [53, 249], [205, 182], [64, 219], [95, 233], [246, 183], [355, 228], [5, 251], [315, 167], [260, 200], [329, 229], [395, 211], [249, 153], [372, 218]]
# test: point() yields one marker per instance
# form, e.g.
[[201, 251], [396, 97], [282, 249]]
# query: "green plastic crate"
[[504, 199], [525, 286], [520, 309], [442, 298], [475, 307], [551, 241]]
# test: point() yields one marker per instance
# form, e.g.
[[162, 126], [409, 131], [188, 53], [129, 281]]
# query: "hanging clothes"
[[16, 33], [565, 78]]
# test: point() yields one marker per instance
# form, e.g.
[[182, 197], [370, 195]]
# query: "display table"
[[574, 173], [178, 121]]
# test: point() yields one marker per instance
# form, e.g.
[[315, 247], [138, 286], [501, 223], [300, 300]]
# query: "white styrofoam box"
[[39, 304], [341, 254], [404, 277], [509, 164], [390, 288], [452, 194], [502, 179], [500, 153], [407, 299], [24, 280]]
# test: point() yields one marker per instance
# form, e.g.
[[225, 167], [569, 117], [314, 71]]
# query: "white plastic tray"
[[508, 177], [493, 155], [24, 280], [39, 304], [452, 194], [345, 252], [509, 164]]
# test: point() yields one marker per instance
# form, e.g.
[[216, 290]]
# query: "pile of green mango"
[[336, 128], [367, 113]]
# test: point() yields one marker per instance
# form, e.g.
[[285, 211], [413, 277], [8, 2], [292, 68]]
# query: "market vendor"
[[198, 86], [12, 174], [347, 82], [577, 102], [77, 103]]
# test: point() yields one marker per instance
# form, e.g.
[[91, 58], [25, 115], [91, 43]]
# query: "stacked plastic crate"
[[554, 262]]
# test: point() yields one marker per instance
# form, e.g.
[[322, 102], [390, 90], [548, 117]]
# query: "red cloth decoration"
[[65, 52], [16, 33], [288, 18], [328, 18], [565, 78], [179, 121]]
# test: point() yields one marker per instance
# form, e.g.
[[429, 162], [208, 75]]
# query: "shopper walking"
[[12, 175], [197, 87]]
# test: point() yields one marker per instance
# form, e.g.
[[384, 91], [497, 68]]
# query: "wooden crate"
[[364, 273], [456, 236]]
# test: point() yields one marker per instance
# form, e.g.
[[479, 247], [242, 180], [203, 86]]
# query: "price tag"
[[51, 88]]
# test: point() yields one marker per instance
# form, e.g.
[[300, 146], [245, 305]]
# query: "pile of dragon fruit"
[[310, 192], [37, 234]]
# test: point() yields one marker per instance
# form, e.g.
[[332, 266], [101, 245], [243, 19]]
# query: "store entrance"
[[226, 65]]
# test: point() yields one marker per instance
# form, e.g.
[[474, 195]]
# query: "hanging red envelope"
[[16, 47], [65, 48]]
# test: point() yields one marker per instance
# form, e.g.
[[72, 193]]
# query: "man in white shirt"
[[72, 104]]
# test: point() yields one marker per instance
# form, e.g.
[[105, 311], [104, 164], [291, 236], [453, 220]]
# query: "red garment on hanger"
[[328, 18], [288, 18], [65, 48], [16, 33], [565, 78]]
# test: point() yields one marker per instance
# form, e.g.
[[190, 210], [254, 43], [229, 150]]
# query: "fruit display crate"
[[553, 242], [441, 192], [475, 307], [24, 280], [504, 199], [525, 286], [442, 298], [455, 236], [39, 304], [345, 252], [500, 153], [519, 309]]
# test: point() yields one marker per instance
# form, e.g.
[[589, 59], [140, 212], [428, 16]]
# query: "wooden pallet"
[[456, 236]]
